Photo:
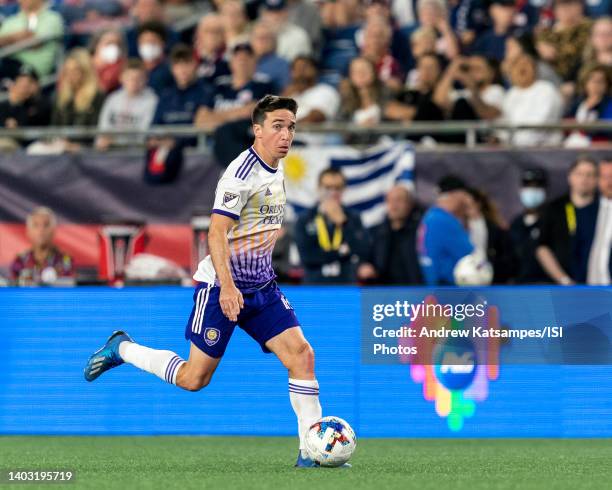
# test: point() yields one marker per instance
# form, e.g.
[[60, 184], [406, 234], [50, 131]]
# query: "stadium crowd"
[[124, 64], [565, 241]]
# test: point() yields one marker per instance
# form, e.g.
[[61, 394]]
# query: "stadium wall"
[[47, 334], [87, 190]]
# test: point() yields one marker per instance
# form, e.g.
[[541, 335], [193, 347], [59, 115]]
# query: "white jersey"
[[253, 193]]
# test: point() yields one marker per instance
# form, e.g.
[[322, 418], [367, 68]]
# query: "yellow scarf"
[[323, 235], [570, 216]]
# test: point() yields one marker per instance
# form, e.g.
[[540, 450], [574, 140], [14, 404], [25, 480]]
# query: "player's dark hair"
[[157, 28], [331, 171], [583, 158], [271, 103], [181, 53]]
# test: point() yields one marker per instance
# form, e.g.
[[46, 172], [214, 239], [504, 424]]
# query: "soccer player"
[[236, 282]]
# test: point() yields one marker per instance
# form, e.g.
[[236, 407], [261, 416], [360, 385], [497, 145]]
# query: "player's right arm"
[[230, 298]]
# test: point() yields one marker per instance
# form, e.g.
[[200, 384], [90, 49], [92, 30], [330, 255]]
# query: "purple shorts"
[[266, 313]]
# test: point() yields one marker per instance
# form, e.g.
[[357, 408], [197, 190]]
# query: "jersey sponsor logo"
[[211, 336], [268, 192], [230, 200]]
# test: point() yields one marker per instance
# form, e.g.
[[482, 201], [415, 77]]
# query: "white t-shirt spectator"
[[321, 97], [539, 103], [121, 111]]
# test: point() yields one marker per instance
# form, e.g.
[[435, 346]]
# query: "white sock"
[[164, 364], [304, 396]]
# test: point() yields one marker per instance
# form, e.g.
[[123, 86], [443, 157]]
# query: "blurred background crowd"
[[129, 64]]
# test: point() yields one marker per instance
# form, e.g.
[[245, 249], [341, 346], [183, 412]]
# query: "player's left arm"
[[230, 297]]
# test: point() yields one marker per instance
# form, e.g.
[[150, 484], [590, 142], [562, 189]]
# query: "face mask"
[[532, 197], [110, 53], [149, 51]]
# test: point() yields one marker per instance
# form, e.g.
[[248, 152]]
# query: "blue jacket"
[[442, 241]]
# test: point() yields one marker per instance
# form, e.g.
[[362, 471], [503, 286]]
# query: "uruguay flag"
[[369, 175]]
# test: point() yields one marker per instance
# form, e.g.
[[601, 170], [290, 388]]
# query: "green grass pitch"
[[266, 463]]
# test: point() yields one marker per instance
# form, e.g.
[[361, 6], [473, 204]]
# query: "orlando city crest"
[[211, 336]]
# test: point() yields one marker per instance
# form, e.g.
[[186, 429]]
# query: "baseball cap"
[[534, 176]]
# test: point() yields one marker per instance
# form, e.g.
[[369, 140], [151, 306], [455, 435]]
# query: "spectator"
[[132, 107], [600, 260], [331, 239], [342, 22], [35, 20], [442, 238], [210, 48], [305, 14], [531, 101], [563, 44], [341, 14], [263, 41], [235, 96], [235, 23], [481, 98], [147, 12], [525, 229], [394, 253], [489, 234], [78, 99], [25, 105], [376, 47], [179, 104], [317, 102], [292, 41], [362, 94], [492, 43], [109, 54], [416, 103], [599, 47], [469, 19], [568, 226], [595, 104], [519, 45], [151, 46], [399, 46], [434, 14], [44, 263]]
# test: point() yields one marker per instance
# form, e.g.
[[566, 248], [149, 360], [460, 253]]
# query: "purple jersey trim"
[[262, 163], [226, 213]]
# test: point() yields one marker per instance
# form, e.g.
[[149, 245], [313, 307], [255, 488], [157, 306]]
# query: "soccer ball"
[[473, 270], [331, 441]]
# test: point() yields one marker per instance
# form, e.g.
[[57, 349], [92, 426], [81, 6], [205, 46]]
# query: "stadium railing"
[[471, 130]]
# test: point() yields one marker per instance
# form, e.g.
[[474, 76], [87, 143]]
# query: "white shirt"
[[598, 272], [321, 97], [537, 104], [253, 194], [293, 41]]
